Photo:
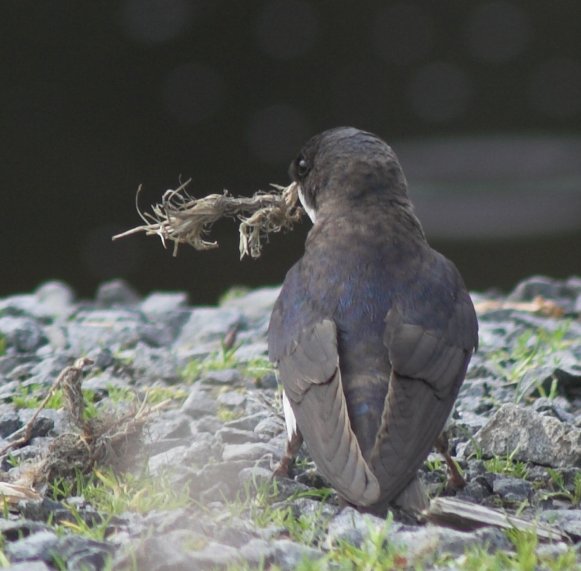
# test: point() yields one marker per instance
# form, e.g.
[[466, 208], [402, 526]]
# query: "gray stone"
[[22, 333], [256, 304], [54, 299], [102, 358], [216, 555], [352, 527], [205, 330], [248, 351], [227, 472], [161, 462], [313, 508], [83, 554], [116, 292], [232, 399], [229, 377], [289, 554], [157, 554], [429, 541], [50, 301], [161, 303], [530, 437], [169, 424], [199, 403], [256, 475], [44, 510], [568, 521], [113, 328], [512, 490], [257, 552], [247, 422], [36, 546], [29, 566], [11, 530], [49, 421], [209, 424], [270, 426], [236, 436], [248, 451], [152, 360], [9, 421], [204, 447]]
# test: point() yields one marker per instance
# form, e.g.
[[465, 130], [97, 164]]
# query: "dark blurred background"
[[481, 100]]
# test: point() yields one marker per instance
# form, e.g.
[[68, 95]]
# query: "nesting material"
[[104, 440], [183, 219]]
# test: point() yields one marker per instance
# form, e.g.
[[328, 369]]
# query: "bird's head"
[[345, 167]]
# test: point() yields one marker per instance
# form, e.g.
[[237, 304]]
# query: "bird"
[[372, 331]]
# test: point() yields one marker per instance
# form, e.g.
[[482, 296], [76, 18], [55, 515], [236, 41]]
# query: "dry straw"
[[183, 219]]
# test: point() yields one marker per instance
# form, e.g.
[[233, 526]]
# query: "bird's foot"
[[455, 479], [284, 467]]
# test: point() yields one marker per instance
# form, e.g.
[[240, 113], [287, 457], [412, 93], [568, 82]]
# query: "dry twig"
[[182, 219], [69, 375]]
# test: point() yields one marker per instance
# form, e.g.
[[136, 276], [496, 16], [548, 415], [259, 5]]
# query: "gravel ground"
[[199, 493]]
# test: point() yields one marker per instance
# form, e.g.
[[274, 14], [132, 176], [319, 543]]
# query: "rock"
[[352, 527], [83, 554], [247, 451], [153, 362], [222, 377], [9, 421], [312, 508], [199, 403], [568, 521], [247, 422], [526, 435], [29, 566], [12, 530], [157, 554], [512, 490], [289, 555], [271, 426], [39, 545], [44, 510], [255, 305], [248, 351], [161, 462], [227, 472], [257, 552], [204, 447], [158, 304], [205, 330], [22, 333], [209, 424], [54, 299], [169, 424], [235, 436], [215, 555], [116, 292], [232, 400], [113, 328], [257, 476]]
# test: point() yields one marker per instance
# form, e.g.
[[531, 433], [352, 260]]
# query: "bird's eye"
[[302, 167]]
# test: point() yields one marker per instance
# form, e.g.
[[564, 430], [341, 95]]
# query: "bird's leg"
[[455, 479], [287, 461]]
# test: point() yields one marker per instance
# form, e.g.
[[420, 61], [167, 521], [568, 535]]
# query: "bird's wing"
[[430, 340], [309, 372]]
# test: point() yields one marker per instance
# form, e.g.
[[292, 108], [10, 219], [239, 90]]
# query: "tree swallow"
[[372, 331]]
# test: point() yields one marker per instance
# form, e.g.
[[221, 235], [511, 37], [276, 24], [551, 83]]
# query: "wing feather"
[[312, 382], [429, 361]]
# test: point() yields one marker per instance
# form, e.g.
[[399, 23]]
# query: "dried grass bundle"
[[182, 219], [106, 440]]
